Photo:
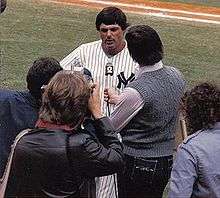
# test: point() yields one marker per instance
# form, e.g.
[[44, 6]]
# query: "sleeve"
[[130, 102], [72, 60], [183, 175], [94, 158]]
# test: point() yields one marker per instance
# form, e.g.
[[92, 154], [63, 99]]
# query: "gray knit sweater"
[[151, 132]]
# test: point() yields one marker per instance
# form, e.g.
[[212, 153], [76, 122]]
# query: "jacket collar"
[[44, 124]]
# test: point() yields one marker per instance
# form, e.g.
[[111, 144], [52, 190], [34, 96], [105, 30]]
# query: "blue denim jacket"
[[196, 170], [18, 111]]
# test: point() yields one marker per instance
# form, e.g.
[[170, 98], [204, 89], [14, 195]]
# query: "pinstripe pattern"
[[92, 56]]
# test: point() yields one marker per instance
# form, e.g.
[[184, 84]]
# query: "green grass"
[[214, 3], [29, 30]]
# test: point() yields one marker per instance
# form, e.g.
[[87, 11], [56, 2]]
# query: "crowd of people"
[[102, 123]]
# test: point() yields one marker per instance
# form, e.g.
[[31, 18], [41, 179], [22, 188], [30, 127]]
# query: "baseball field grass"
[[30, 29]]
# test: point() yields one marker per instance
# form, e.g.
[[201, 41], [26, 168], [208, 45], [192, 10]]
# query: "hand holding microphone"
[[111, 96], [95, 102]]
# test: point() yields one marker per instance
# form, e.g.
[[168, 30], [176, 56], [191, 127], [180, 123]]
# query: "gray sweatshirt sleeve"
[[130, 102]]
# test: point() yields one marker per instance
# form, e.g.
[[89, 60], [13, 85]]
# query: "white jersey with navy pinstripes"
[[92, 57]]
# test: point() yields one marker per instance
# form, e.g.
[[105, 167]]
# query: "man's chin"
[[111, 49], [110, 46]]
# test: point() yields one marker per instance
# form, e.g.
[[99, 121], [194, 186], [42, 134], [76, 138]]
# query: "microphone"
[[108, 72], [109, 69]]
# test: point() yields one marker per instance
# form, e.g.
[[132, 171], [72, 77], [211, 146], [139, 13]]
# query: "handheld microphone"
[[108, 72], [109, 69]]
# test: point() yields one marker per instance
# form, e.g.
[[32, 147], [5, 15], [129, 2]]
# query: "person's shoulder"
[[17, 98], [79, 138], [93, 43], [175, 72], [171, 68], [194, 137], [6, 94], [23, 96]]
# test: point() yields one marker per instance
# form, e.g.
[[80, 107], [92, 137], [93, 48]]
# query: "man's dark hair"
[[144, 45], [65, 100], [40, 73], [202, 106], [2, 5], [110, 16]]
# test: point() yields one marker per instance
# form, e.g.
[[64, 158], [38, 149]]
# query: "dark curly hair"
[[202, 107]]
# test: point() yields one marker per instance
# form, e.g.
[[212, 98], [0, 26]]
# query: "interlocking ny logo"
[[123, 80]]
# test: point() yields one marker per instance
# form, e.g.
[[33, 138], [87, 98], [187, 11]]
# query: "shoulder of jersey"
[[191, 137], [98, 42]]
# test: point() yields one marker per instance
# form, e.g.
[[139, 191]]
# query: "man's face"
[[112, 38]]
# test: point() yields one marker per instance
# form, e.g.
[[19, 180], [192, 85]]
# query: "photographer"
[[55, 158]]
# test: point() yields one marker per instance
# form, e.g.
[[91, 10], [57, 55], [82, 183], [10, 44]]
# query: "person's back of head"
[[40, 73], [110, 16], [67, 92], [3, 4], [144, 45], [202, 106]]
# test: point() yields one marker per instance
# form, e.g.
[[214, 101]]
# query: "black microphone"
[[108, 72], [109, 69]]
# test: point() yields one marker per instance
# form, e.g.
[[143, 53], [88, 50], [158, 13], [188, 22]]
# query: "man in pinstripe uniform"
[[109, 61]]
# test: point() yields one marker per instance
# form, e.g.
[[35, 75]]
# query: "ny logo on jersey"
[[123, 80]]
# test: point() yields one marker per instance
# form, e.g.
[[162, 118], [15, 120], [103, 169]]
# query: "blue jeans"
[[144, 177]]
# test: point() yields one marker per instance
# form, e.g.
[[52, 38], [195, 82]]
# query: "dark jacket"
[[18, 111], [54, 163]]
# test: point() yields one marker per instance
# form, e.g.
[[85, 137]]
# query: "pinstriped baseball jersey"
[[92, 56], [122, 66]]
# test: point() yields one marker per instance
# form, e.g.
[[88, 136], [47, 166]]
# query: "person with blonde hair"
[[55, 158]]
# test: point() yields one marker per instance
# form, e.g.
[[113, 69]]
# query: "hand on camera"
[[95, 102]]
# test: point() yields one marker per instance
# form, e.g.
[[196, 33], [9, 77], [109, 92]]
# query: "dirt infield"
[[162, 9]]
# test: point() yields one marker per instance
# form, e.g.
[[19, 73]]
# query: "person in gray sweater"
[[145, 115]]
